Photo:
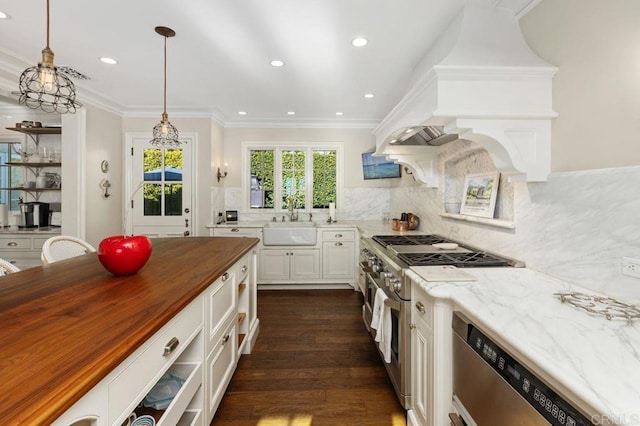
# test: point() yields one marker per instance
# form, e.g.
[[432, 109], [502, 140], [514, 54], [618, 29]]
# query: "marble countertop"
[[16, 230], [367, 228], [593, 361]]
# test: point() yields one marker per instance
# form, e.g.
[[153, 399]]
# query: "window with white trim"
[[282, 175]]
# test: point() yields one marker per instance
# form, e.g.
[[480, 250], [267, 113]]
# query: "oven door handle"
[[393, 304]]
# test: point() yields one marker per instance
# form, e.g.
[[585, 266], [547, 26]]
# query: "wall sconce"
[[222, 174]]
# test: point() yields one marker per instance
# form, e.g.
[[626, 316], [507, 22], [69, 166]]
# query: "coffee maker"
[[34, 214]]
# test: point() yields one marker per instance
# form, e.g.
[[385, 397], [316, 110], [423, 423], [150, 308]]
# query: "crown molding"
[[303, 124]]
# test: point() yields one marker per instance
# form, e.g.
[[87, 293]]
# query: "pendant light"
[[44, 87], [165, 135]]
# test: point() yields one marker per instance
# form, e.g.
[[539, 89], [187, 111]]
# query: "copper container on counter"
[[399, 225]]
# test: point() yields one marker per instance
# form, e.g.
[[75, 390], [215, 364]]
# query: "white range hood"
[[481, 81]]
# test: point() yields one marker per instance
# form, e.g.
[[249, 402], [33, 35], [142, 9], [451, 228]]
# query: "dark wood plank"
[[313, 364], [65, 326]]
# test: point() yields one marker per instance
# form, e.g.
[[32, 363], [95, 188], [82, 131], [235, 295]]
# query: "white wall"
[[358, 193], [103, 142], [596, 92]]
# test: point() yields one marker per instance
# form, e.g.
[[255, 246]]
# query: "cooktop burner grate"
[[460, 260], [608, 307], [408, 240]]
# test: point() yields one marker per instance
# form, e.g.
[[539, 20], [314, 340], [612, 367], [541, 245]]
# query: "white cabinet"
[[219, 366], [339, 254], [23, 249], [421, 363], [431, 375], [283, 265]]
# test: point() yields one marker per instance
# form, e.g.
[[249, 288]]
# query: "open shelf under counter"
[[497, 223]]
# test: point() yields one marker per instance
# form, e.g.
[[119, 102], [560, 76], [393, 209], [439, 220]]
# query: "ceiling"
[[218, 63]]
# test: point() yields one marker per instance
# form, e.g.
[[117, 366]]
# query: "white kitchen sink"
[[289, 234]]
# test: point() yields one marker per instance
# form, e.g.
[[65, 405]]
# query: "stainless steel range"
[[383, 261]]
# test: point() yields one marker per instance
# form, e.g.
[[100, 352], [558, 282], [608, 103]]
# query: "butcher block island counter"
[[75, 340]]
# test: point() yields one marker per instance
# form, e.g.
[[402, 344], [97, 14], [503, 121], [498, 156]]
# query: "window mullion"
[[277, 165]]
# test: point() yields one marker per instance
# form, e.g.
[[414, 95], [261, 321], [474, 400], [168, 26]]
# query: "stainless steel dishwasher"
[[495, 389]]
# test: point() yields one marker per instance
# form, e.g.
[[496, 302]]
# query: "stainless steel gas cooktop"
[[418, 250]]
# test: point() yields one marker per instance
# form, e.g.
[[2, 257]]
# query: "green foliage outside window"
[[324, 179], [262, 166], [293, 178], [152, 192]]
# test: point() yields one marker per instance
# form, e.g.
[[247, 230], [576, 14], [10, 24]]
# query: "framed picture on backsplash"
[[480, 193]]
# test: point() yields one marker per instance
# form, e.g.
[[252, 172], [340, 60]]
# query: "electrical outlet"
[[631, 267]]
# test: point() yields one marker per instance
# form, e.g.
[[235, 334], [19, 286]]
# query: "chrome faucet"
[[293, 215]]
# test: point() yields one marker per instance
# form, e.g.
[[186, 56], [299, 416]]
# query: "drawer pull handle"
[[225, 276], [420, 307], [171, 346], [455, 420], [225, 339], [12, 244], [244, 268], [338, 244], [235, 229], [338, 235]]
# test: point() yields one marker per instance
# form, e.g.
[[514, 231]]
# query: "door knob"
[[186, 233], [187, 210]]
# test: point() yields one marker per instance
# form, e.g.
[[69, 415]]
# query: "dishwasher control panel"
[[555, 409]]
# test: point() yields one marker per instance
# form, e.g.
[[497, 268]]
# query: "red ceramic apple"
[[124, 255]]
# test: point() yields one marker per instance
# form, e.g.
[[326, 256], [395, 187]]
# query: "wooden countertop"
[[65, 326]]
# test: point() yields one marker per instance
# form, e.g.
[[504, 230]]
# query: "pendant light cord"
[[47, 24], [165, 74]]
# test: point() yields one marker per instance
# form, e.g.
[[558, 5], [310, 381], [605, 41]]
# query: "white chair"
[[7, 267], [63, 247]]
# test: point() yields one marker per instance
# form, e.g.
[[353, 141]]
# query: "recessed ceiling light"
[[277, 63], [109, 61], [242, 112], [359, 41], [339, 113], [291, 113], [369, 95], [3, 15]]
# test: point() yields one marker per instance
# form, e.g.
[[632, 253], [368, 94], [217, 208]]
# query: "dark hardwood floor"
[[313, 364]]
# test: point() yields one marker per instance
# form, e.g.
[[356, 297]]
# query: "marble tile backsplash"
[[577, 226], [357, 204]]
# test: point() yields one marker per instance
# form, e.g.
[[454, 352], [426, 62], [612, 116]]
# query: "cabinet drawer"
[[220, 365], [15, 243], [221, 307], [235, 232], [339, 235], [147, 367], [242, 268], [421, 305], [38, 243]]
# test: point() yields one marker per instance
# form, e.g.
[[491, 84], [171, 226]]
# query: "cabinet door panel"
[[222, 305], [338, 260], [422, 367], [274, 264], [220, 365], [305, 264]]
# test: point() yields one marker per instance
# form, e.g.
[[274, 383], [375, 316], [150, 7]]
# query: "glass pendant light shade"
[[44, 87], [165, 135]]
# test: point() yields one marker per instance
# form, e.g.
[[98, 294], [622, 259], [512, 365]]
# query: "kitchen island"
[[65, 326]]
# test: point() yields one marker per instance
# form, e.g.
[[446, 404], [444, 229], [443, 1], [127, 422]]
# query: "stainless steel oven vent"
[[427, 135]]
